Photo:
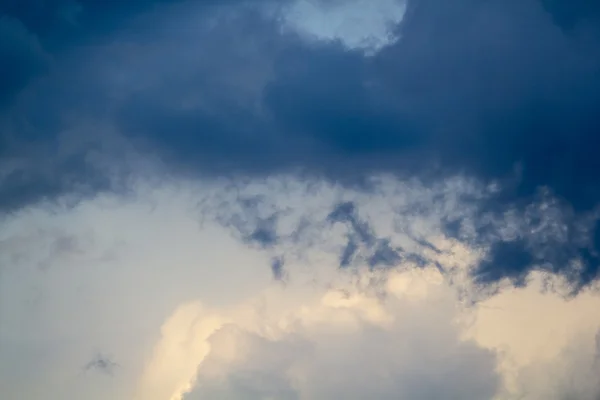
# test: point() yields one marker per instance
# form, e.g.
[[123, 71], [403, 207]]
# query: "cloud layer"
[[156, 295], [221, 89]]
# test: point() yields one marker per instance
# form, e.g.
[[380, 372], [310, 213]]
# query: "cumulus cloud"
[[352, 346]]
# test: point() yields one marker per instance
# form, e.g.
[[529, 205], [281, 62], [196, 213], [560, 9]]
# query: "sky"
[[299, 199]]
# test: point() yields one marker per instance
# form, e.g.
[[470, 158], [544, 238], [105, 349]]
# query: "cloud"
[[180, 179], [571, 15], [357, 25], [102, 364], [93, 296], [189, 308], [514, 239], [483, 89], [344, 355], [23, 58]]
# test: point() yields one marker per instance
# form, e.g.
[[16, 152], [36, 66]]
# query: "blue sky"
[[218, 172]]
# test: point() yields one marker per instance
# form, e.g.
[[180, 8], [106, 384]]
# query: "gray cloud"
[[476, 97], [23, 58], [543, 234], [103, 364]]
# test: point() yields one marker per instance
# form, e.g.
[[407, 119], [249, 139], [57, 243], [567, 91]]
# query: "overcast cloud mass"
[[299, 199]]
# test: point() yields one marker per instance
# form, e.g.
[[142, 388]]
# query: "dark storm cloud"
[[504, 86], [61, 23], [544, 234], [482, 87], [495, 89], [569, 14], [22, 57], [32, 31]]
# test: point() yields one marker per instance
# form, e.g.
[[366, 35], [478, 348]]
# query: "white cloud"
[[349, 344], [358, 24], [181, 305]]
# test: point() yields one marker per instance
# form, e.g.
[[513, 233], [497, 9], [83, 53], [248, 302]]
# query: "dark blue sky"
[[503, 90]]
